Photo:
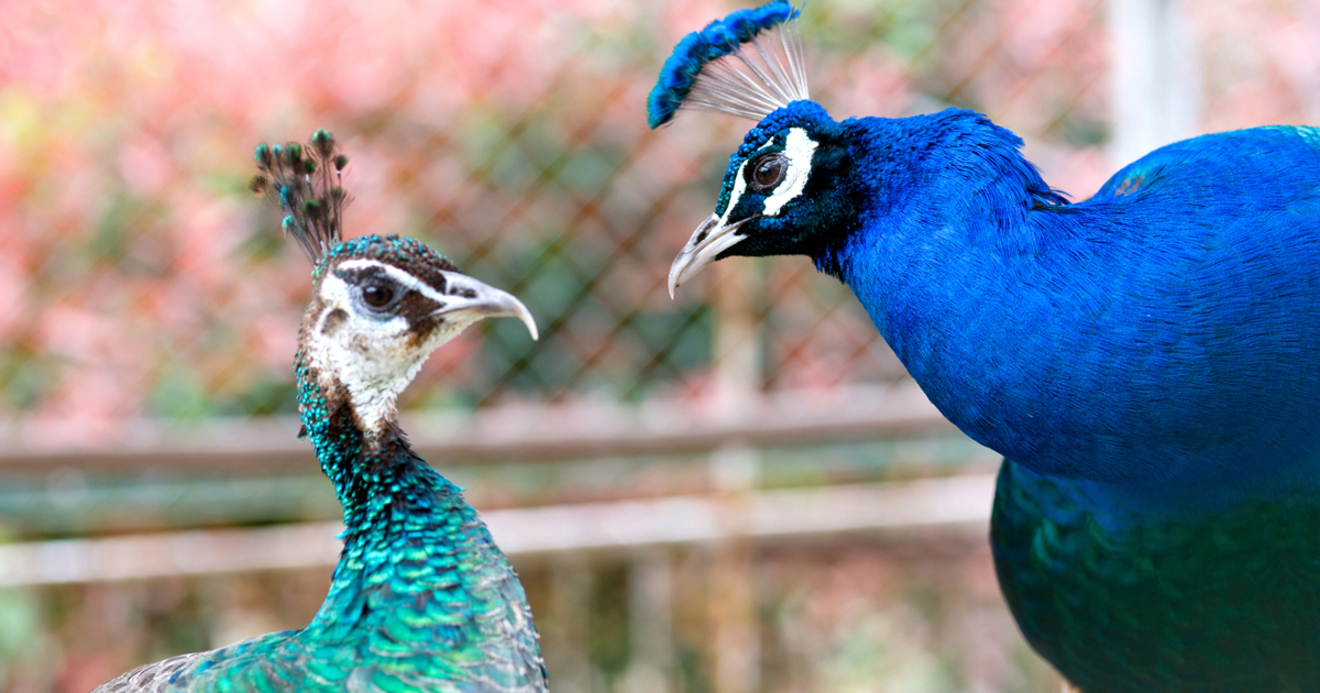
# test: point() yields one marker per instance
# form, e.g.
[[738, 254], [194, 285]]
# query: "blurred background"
[[736, 491]]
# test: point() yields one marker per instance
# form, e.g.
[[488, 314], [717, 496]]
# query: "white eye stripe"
[[403, 278], [334, 291], [739, 185], [799, 148]]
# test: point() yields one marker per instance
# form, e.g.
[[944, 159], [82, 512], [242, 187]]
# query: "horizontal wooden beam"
[[580, 430], [960, 503]]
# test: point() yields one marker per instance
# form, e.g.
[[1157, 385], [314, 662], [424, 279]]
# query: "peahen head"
[[380, 304]]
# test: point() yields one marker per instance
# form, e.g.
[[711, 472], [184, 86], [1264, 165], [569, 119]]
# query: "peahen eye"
[[377, 295], [768, 171]]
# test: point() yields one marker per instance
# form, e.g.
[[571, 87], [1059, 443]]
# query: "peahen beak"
[[707, 242], [467, 297]]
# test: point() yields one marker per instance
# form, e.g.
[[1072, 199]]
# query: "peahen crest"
[[311, 196], [748, 64]]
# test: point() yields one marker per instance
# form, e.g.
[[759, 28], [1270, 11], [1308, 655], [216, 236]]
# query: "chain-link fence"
[[140, 281], [145, 282]]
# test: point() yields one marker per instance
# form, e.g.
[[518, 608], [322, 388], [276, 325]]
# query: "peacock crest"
[[747, 64]]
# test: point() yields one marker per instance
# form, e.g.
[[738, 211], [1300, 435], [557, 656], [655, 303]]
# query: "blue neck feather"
[[1083, 340]]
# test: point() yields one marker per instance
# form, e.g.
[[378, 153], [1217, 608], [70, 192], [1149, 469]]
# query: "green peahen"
[[422, 599], [1147, 361]]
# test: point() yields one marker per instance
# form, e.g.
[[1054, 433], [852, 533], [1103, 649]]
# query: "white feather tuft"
[[760, 77]]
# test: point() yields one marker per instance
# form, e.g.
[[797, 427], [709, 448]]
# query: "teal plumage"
[[422, 599], [1222, 603]]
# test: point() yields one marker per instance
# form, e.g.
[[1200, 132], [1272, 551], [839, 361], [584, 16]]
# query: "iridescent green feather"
[[1197, 597], [422, 599]]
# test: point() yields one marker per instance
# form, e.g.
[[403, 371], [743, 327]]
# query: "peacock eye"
[[768, 171], [377, 295]]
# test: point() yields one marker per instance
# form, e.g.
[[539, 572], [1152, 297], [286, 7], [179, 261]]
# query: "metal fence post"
[[651, 622], [735, 469], [1155, 80]]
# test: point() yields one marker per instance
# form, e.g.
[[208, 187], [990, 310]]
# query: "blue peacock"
[[1147, 360], [422, 599]]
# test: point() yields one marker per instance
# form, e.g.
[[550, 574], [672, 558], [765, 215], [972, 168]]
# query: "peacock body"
[[1146, 360], [422, 599]]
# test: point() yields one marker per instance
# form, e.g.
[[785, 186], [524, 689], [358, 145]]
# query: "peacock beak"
[[707, 242], [467, 297]]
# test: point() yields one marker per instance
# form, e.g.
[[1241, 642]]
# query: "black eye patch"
[[415, 307]]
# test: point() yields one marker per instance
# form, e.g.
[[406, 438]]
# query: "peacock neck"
[[1050, 332], [949, 223]]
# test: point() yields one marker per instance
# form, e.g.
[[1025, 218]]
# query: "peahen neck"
[[408, 530], [364, 468], [1050, 332]]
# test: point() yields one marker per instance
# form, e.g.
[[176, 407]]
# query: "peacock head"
[[380, 305], [783, 193]]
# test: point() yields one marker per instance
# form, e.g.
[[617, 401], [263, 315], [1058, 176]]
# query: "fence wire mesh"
[[142, 280]]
